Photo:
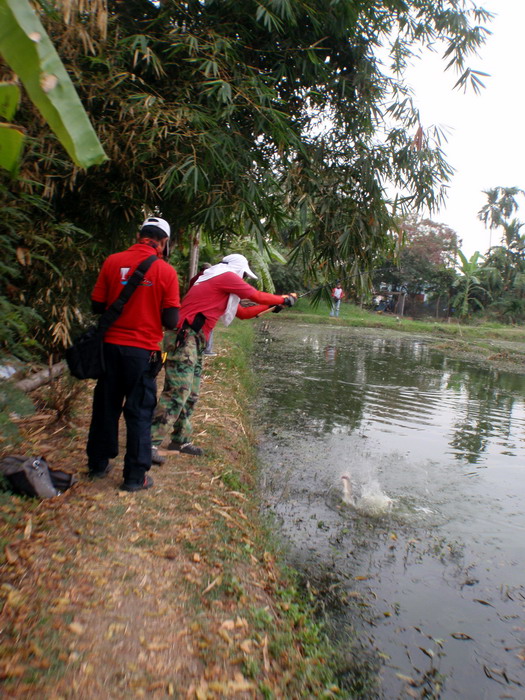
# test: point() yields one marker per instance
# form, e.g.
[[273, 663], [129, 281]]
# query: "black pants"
[[128, 386]]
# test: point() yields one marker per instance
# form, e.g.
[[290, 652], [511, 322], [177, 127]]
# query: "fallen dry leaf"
[[224, 634], [157, 646], [14, 671], [10, 556], [246, 646], [214, 583], [170, 553], [406, 679], [225, 515], [266, 659], [15, 599]]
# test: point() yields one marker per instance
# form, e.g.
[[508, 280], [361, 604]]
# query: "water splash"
[[370, 498], [373, 500]]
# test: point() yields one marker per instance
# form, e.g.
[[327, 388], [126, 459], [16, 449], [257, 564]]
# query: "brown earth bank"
[[170, 592]]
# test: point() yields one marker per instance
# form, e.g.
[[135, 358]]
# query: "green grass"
[[353, 316]]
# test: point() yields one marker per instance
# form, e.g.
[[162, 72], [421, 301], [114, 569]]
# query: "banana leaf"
[[29, 52]]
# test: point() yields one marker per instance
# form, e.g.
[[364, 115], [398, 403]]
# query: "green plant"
[[469, 285], [210, 113], [14, 404], [26, 47], [232, 481]]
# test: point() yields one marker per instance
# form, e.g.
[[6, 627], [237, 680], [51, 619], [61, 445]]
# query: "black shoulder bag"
[[85, 358]]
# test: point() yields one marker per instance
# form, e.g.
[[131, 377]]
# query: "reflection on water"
[[425, 538]]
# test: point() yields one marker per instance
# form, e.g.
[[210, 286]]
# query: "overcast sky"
[[486, 143]]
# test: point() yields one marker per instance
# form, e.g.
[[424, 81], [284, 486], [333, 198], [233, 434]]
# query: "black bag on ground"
[[62, 480], [85, 358], [31, 476]]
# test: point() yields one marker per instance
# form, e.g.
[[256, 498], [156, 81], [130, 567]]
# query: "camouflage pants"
[[183, 370]]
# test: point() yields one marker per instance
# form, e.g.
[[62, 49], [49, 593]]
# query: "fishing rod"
[[315, 289], [311, 291]]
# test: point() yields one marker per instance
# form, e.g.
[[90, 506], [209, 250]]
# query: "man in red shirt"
[[131, 352], [215, 293]]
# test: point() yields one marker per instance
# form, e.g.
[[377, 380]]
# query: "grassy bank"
[[494, 344], [174, 592]]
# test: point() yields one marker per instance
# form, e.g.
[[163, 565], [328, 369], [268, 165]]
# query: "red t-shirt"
[[211, 299], [140, 322]]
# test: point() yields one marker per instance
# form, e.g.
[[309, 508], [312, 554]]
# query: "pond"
[[421, 547]]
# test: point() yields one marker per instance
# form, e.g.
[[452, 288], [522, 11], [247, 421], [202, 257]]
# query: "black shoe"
[[100, 473], [187, 448], [155, 457], [146, 484]]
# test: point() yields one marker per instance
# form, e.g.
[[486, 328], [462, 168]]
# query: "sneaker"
[[146, 484], [156, 458], [100, 473], [209, 354], [187, 448]]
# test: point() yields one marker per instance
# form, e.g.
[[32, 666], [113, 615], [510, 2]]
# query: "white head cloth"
[[231, 263]]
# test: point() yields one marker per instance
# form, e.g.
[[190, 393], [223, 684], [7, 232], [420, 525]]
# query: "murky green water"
[[427, 552]]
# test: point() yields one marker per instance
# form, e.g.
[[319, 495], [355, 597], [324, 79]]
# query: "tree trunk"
[[403, 305], [194, 253], [42, 377]]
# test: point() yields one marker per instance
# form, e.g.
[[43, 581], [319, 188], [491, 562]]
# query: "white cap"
[[159, 223], [239, 264]]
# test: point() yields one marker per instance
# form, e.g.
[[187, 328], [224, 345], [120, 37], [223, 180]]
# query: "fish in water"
[[347, 490]]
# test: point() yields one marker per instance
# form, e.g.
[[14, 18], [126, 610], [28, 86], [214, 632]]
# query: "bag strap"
[[111, 314]]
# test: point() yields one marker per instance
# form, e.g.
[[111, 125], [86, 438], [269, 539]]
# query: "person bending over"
[[215, 294]]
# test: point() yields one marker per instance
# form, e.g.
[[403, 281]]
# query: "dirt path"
[[171, 592]]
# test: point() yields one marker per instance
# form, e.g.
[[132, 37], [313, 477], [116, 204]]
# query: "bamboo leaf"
[[9, 98], [28, 50], [11, 142]]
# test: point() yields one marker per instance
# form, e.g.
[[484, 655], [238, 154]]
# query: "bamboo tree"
[[261, 119]]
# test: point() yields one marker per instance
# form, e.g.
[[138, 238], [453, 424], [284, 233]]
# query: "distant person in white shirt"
[[337, 295]]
